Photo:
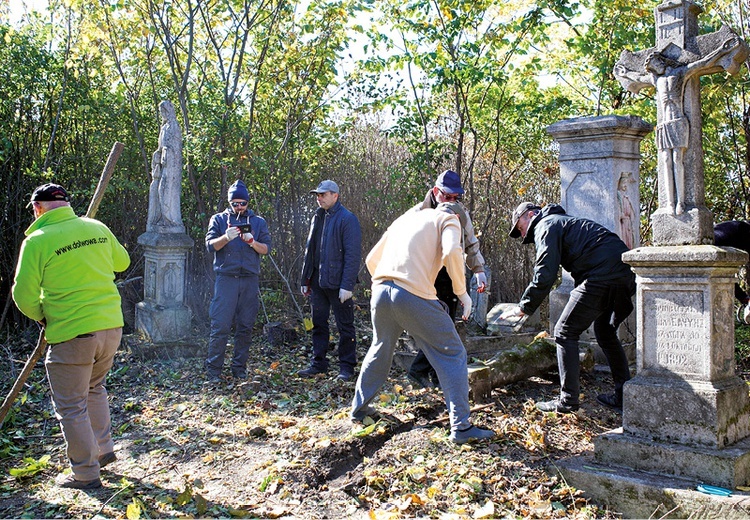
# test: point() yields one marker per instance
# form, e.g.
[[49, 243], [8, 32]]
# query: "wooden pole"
[[41, 345]]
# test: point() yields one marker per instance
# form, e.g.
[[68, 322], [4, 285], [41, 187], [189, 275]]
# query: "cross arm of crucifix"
[[631, 74]]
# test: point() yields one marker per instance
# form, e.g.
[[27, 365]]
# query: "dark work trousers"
[[322, 302], [591, 302], [235, 300], [421, 366]]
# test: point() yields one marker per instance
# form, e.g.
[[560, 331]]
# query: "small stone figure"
[[628, 219]]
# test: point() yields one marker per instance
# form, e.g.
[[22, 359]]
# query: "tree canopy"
[[379, 95]]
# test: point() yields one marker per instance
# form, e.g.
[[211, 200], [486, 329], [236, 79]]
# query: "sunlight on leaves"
[[30, 467], [135, 509], [486, 511], [534, 438], [364, 432]]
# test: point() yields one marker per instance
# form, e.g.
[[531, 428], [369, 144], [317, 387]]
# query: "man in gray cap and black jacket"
[[332, 257], [602, 295]]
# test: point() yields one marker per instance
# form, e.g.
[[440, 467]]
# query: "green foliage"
[[263, 93], [30, 467]]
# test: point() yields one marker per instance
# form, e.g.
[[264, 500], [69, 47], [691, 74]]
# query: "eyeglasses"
[[451, 197], [242, 203]]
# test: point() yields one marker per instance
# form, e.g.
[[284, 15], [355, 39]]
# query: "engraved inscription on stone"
[[677, 331]]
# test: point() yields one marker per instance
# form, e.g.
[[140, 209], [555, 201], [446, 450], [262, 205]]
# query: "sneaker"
[[310, 372], [240, 376], [362, 415], [420, 379], [107, 459], [555, 405], [69, 481], [212, 380], [345, 376], [610, 401], [473, 433]]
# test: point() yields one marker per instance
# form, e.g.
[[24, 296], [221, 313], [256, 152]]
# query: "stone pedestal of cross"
[[686, 414]]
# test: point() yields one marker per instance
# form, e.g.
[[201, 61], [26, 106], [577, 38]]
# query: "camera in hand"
[[245, 228]]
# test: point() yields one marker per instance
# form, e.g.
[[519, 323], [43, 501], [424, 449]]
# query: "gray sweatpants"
[[394, 310]]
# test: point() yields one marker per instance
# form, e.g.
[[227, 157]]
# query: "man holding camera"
[[237, 237]]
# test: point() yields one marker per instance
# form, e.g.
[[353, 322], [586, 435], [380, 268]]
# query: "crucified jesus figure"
[[669, 78]]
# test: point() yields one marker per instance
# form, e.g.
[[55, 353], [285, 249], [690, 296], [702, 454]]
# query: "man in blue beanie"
[[448, 192], [237, 268]]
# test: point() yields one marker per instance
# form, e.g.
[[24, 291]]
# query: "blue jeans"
[[394, 310], [235, 301], [591, 302], [322, 301]]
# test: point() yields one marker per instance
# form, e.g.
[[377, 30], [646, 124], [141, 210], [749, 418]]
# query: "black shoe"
[[555, 405], [420, 379], [471, 434], [69, 481], [610, 401], [311, 371], [345, 376], [240, 376], [107, 459]]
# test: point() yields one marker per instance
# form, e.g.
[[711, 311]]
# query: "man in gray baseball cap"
[[329, 271], [326, 186]]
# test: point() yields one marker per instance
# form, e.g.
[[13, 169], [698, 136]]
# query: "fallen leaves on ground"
[[280, 446]]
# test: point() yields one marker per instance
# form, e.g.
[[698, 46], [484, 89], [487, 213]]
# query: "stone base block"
[[162, 325], [728, 467], [694, 227], [714, 415], [636, 494]]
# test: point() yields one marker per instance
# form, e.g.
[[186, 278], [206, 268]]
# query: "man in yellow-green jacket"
[[65, 281]]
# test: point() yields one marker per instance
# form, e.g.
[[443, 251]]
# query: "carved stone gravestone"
[[599, 172], [686, 414], [163, 315]]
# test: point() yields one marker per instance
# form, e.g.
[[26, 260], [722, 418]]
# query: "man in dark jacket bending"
[[604, 286], [736, 233], [329, 272]]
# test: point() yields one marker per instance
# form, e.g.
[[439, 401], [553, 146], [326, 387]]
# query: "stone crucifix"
[[673, 68]]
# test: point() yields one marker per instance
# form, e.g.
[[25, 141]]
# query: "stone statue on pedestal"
[[163, 315]]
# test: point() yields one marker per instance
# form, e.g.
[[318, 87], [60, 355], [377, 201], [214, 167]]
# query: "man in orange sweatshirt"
[[403, 265]]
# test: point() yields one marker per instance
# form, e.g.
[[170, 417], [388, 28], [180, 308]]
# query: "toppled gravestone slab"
[[499, 326], [518, 362]]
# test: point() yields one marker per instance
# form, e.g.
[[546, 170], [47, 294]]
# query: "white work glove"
[[514, 312], [232, 233], [248, 238], [305, 290], [746, 315], [481, 281], [344, 295], [466, 303]]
